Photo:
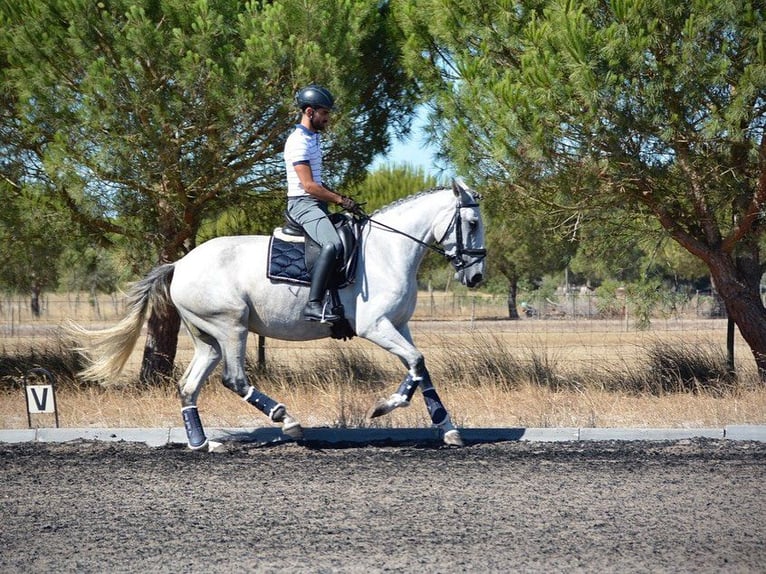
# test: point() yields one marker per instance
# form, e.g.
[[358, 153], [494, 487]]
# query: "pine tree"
[[646, 114], [148, 118]]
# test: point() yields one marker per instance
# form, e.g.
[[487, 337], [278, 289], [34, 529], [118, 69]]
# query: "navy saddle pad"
[[287, 262]]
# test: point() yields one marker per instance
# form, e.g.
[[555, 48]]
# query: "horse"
[[222, 292]]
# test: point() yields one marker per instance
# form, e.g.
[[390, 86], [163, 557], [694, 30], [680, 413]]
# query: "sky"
[[413, 151]]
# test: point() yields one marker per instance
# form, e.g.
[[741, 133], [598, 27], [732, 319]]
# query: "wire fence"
[[572, 328]]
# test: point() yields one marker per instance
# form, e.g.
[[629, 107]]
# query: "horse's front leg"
[[235, 379], [400, 343], [420, 377]]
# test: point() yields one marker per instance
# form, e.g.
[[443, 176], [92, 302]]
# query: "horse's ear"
[[458, 185], [461, 190]]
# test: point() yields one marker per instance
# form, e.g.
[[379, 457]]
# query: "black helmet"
[[315, 97]]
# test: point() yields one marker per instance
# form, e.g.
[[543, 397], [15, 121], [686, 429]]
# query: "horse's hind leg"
[[206, 357], [235, 379]]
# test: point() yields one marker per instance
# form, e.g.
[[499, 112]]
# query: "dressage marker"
[[41, 399]]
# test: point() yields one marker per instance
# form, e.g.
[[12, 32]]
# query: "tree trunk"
[[740, 292], [34, 302], [163, 324], [161, 344], [513, 312]]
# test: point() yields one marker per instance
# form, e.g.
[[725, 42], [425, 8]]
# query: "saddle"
[[292, 255]]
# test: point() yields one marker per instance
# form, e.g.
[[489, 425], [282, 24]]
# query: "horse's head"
[[463, 239]]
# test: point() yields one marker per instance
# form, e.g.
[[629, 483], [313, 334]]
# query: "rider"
[[308, 197]]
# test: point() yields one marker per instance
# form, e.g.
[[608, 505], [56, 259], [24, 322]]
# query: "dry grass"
[[489, 374], [477, 407]]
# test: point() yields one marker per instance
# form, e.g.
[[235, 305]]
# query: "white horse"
[[222, 292]]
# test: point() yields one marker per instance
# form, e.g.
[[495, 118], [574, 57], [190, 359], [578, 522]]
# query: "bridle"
[[455, 257]]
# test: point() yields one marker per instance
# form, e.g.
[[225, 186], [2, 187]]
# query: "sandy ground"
[[686, 506]]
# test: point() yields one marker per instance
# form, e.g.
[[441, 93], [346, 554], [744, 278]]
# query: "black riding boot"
[[315, 309]]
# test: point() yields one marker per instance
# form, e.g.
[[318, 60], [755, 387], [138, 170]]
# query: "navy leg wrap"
[[262, 402], [434, 405], [407, 387], [194, 433]]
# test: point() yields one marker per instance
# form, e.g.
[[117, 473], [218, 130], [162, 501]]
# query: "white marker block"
[[40, 399]]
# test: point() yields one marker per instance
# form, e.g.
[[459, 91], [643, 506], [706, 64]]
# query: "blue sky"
[[413, 151]]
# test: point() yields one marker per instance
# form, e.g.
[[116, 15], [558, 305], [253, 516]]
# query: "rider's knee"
[[330, 249]]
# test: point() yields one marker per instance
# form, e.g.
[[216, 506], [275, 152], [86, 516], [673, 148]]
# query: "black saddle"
[[292, 253]]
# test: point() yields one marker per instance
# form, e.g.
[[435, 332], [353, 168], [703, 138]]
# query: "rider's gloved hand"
[[348, 204]]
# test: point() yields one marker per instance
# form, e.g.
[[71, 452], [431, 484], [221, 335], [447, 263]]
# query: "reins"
[[433, 248], [456, 258]]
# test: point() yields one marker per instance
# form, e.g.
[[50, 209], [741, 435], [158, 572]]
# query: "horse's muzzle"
[[474, 280], [467, 279]]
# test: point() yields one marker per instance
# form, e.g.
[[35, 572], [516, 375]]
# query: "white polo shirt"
[[302, 147]]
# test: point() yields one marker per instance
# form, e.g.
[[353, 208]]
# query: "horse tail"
[[107, 350]]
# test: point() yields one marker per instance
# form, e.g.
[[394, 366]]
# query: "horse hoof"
[[202, 446], [381, 408], [453, 438], [292, 428], [385, 406]]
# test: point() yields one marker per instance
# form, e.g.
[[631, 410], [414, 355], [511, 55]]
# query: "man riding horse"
[[308, 197]]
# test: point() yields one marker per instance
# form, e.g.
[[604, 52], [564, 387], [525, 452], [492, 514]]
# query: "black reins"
[[456, 259]]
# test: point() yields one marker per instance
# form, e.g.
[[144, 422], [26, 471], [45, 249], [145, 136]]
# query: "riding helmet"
[[314, 96]]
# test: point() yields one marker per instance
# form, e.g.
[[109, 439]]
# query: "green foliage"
[[609, 250], [610, 299], [259, 217], [387, 184], [31, 240], [149, 118], [643, 298], [523, 244], [624, 119], [88, 268], [634, 108]]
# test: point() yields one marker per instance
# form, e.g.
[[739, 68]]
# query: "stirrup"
[[317, 311]]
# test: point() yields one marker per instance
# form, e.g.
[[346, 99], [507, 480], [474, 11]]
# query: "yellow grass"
[[476, 407], [574, 347]]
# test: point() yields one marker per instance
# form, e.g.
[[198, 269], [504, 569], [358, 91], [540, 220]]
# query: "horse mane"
[[407, 199]]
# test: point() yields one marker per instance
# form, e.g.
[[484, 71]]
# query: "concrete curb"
[[386, 436]]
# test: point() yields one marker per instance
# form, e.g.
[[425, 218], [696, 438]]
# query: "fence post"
[[261, 351]]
